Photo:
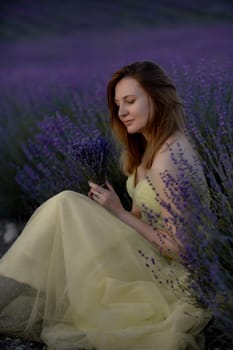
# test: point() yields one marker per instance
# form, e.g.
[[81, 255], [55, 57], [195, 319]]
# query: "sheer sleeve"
[[177, 177]]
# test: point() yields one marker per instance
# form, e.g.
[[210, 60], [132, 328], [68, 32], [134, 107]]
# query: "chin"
[[133, 130]]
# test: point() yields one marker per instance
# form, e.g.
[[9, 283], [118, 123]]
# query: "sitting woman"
[[76, 276]]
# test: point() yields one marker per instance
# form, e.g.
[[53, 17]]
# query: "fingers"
[[109, 186], [101, 195], [106, 197], [99, 188], [96, 197], [94, 188], [96, 192], [89, 194]]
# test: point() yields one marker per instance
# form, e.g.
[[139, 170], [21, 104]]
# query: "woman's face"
[[134, 105]]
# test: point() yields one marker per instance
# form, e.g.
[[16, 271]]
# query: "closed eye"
[[127, 101]]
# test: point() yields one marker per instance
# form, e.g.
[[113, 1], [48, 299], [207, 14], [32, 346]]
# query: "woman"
[[76, 276]]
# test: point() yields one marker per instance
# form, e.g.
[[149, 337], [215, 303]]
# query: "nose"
[[122, 111]]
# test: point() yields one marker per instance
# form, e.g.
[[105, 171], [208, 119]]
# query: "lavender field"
[[53, 95], [68, 75]]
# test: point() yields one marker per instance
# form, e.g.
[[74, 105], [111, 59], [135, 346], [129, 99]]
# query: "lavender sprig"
[[91, 155]]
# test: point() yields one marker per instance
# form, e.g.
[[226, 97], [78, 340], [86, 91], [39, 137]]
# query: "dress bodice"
[[145, 199], [144, 196]]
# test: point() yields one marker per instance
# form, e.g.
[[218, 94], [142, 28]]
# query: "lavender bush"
[[61, 156], [42, 175], [206, 232]]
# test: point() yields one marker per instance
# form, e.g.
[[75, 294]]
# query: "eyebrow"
[[124, 97]]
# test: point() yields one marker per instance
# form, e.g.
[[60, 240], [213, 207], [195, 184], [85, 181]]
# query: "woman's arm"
[[162, 240], [135, 211]]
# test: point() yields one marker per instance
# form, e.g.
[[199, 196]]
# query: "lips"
[[128, 122]]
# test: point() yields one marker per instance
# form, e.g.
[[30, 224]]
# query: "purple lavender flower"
[[206, 233], [91, 153]]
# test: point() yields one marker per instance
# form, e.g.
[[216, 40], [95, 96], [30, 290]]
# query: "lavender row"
[[26, 19]]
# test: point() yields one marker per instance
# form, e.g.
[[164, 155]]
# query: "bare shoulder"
[[176, 146]]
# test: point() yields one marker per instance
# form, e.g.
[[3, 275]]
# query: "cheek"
[[148, 112], [144, 113]]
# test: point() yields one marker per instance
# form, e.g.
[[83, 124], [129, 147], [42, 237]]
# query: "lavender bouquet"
[[91, 153]]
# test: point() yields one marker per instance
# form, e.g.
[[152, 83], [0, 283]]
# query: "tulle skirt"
[[75, 279]]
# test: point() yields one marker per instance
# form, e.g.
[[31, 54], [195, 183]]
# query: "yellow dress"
[[76, 279]]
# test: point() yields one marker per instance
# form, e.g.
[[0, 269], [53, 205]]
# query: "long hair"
[[167, 116]]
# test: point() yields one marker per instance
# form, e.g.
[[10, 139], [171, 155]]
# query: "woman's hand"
[[106, 197]]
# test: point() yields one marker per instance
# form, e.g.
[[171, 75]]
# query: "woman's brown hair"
[[167, 117]]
